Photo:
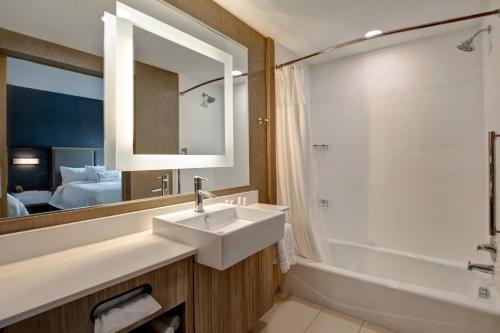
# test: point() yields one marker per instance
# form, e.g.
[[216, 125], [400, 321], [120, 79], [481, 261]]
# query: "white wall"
[[406, 165], [28, 74], [201, 130]]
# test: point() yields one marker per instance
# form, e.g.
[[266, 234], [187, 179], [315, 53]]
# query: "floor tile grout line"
[[361, 327], [316, 316]]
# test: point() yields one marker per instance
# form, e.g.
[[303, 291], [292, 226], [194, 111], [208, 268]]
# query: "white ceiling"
[[305, 26]]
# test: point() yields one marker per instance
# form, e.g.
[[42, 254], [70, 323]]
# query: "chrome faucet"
[[164, 186], [488, 269], [200, 193], [490, 247]]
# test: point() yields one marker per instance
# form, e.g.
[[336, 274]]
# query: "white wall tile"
[[406, 128]]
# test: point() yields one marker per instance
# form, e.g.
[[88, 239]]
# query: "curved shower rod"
[[363, 39]]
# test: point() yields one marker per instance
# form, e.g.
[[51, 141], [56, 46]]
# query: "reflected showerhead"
[[468, 45], [206, 99]]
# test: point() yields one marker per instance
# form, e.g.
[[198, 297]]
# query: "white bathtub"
[[403, 292]]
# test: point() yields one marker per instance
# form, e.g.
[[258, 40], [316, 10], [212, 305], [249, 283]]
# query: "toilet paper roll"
[[126, 314]]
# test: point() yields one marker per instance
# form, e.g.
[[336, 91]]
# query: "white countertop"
[[35, 285]]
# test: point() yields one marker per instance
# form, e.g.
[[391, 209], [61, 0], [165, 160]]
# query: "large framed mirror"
[[54, 128]]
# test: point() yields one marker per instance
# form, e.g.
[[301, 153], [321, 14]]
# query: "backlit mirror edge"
[[118, 53]]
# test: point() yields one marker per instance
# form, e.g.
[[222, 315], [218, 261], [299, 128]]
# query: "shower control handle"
[[490, 247]]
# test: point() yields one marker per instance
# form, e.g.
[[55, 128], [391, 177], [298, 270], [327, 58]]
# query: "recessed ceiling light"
[[373, 33], [236, 73]]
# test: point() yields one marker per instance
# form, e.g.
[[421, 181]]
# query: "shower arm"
[[492, 136], [488, 29]]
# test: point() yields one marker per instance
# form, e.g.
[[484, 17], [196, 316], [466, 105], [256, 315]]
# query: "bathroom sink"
[[223, 234]]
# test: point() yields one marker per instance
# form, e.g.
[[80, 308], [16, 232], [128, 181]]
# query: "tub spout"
[[488, 269]]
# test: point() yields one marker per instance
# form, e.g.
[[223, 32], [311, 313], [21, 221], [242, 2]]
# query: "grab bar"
[[492, 184], [112, 302]]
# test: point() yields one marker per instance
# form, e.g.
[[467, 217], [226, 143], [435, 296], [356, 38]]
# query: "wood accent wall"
[[4, 160], [171, 286], [260, 89], [233, 300], [21, 46], [271, 127], [156, 110]]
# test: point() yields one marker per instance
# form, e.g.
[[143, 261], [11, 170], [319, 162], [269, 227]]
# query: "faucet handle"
[[200, 178]]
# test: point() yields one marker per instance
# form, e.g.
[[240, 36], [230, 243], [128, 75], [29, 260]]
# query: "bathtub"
[[403, 292]]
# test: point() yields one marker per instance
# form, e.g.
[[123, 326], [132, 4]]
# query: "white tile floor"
[[293, 315]]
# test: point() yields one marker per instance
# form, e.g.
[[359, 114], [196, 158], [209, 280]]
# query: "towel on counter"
[[286, 249]]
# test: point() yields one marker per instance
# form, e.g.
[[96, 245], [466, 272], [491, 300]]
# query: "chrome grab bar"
[[492, 136]]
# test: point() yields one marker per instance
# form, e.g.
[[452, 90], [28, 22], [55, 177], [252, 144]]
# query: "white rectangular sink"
[[223, 234]]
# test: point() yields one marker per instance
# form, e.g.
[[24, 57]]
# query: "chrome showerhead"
[[206, 99], [468, 45]]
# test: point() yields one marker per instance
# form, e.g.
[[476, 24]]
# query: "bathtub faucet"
[[488, 269]]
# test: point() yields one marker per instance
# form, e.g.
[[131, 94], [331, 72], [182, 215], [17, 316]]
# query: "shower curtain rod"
[[391, 32], [363, 39]]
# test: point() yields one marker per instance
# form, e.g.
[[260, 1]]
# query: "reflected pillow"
[[108, 176], [72, 174], [92, 171]]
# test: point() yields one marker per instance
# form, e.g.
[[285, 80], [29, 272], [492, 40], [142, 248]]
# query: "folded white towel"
[[126, 314], [286, 249]]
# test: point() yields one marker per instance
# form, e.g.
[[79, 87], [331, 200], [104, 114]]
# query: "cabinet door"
[[233, 300]]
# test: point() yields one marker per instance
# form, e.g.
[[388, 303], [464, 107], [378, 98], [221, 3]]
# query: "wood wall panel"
[[172, 286], [156, 110], [4, 160], [210, 14], [233, 300], [271, 126], [17, 45]]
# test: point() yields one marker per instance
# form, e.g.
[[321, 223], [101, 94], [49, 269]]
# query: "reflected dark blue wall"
[[37, 118]]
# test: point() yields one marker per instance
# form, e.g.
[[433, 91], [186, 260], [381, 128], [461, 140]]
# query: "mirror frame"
[[119, 94]]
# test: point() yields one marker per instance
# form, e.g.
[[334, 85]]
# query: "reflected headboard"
[[73, 158]]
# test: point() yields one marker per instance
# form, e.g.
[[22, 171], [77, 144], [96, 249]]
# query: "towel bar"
[[492, 136]]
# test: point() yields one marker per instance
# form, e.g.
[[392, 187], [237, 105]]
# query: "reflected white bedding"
[[86, 193], [15, 207]]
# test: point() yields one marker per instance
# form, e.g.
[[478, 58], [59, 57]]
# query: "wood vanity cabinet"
[[233, 300], [171, 285]]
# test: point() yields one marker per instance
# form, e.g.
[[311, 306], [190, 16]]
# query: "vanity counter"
[[35, 285]]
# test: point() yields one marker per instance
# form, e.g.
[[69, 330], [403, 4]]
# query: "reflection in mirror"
[[192, 123], [54, 116]]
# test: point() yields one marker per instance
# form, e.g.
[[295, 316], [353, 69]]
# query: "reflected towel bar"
[[492, 136]]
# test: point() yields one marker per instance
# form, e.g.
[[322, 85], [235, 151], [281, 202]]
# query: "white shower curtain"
[[297, 175]]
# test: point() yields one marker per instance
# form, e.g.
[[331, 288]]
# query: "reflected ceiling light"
[[373, 33], [25, 161], [236, 73]]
